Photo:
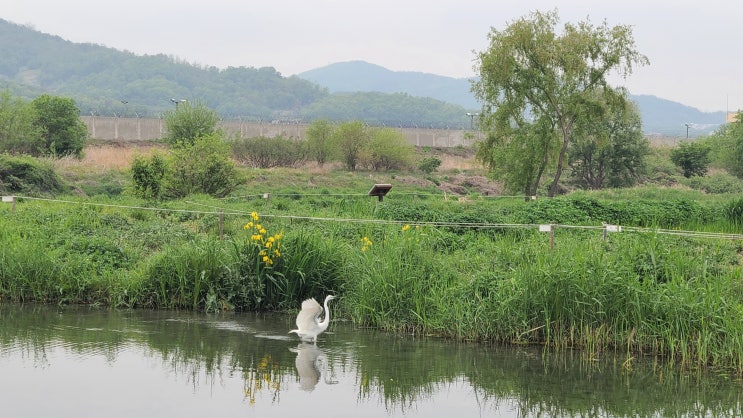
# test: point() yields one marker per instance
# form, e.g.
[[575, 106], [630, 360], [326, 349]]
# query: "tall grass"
[[641, 293]]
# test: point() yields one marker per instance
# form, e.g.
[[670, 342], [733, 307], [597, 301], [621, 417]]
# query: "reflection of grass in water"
[[569, 385], [401, 372]]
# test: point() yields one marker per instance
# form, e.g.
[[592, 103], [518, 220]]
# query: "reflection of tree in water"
[[400, 372]]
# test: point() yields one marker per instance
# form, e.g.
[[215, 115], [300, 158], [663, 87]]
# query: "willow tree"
[[537, 87]]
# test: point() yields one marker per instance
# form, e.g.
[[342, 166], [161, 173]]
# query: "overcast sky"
[[694, 47]]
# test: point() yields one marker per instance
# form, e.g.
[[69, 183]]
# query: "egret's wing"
[[310, 311]]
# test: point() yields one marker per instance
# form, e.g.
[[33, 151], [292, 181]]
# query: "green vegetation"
[[692, 157], [189, 122], [46, 126], [414, 262], [472, 268], [543, 92], [203, 167], [273, 152], [101, 79], [62, 131], [24, 174]]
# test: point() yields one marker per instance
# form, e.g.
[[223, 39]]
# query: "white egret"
[[309, 325]]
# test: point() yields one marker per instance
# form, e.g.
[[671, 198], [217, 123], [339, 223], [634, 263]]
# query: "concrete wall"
[[110, 128]]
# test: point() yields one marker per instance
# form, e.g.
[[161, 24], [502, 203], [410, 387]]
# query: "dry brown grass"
[[101, 158], [456, 162]]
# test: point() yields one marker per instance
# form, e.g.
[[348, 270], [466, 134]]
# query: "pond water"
[[81, 362]]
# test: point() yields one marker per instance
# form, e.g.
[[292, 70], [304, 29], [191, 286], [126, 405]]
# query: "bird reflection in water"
[[311, 363]]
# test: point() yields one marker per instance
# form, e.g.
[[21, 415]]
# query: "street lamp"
[[687, 130], [177, 102], [472, 119], [124, 102]]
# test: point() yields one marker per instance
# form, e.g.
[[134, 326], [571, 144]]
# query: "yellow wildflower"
[[405, 228], [254, 215]]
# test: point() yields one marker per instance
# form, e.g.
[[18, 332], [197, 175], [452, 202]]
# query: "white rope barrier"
[[216, 210]]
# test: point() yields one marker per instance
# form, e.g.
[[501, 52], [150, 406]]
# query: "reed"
[[641, 293]]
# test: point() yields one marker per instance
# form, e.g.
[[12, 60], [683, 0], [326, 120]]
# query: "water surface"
[[81, 362]]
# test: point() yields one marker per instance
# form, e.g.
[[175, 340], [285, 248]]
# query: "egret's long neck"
[[326, 320]]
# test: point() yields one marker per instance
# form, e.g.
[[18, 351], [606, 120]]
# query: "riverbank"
[[468, 270], [478, 267]]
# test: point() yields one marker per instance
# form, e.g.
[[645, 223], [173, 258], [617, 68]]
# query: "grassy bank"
[[469, 270], [474, 267]]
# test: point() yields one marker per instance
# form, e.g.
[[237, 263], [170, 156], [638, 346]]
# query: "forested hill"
[[101, 79], [107, 81], [659, 116]]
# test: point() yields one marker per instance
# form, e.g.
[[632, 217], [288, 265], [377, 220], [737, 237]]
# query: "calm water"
[[78, 362]]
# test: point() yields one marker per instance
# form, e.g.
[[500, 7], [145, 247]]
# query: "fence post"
[[11, 200], [551, 229], [221, 224]]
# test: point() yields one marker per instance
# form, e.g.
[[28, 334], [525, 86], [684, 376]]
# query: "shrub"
[[429, 164], [189, 122], [24, 174], [204, 167], [19, 133], [716, 183], [264, 152], [387, 150], [148, 175], [63, 132], [692, 157]]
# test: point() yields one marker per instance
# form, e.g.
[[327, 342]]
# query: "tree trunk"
[[560, 161]]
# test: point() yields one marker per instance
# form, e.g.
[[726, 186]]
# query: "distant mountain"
[[659, 116], [106, 81], [361, 76], [665, 117]]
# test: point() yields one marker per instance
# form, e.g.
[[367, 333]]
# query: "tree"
[[534, 81], [319, 140], [19, 133], [612, 151], [388, 149], [189, 122], [519, 155], [692, 157], [62, 131], [351, 138], [727, 146]]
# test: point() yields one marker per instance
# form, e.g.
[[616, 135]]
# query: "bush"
[[715, 184], [204, 167], [387, 150], [264, 152], [24, 174], [189, 122], [148, 175], [63, 132], [692, 157], [429, 164]]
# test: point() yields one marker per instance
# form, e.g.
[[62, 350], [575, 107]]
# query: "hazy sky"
[[694, 47]]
